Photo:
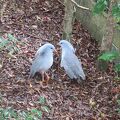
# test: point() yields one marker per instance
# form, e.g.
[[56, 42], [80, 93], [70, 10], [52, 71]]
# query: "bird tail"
[[81, 78]]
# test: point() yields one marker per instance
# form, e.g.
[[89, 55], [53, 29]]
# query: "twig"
[[60, 2], [82, 7]]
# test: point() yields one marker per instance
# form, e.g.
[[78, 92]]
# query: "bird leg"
[[41, 82], [47, 78], [42, 74], [44, 81]]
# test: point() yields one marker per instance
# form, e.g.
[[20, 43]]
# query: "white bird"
[[70, 62], [43, 60]]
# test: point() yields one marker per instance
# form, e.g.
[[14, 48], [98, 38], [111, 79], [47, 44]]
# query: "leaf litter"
[[35, 23]]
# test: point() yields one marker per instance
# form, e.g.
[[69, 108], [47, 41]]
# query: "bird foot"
[[47, 77], [43, 84]]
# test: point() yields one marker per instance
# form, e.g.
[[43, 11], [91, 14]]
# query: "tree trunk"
[[107, 40], [68, 19]]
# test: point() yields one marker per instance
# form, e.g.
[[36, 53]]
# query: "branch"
[[84, 8]]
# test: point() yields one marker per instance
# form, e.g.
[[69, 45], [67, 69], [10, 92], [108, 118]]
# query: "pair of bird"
[[44, 59]]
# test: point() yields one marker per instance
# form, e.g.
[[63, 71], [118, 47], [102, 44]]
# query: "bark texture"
[[107, 40], [68, 19]]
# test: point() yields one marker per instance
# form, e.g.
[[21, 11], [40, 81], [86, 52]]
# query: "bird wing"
[[40, 51], [36, 64], [42, 62], [37, 61], [72, 63], [68, 69]]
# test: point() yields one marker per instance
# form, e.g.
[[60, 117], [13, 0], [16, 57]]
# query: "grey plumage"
[[70, 62], [43, 59]]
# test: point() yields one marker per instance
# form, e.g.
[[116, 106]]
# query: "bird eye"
[[51, 48]]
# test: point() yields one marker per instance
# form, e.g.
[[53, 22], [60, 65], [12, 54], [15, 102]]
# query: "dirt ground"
[[36, 23]]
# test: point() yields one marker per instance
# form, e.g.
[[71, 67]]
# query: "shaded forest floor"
[[36, 23]]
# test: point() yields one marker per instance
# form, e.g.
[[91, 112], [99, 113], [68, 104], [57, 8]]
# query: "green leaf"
[[116, 11], [109, 56], [42, 100], [100, 6], [39, 113], [35, 118], [117, 26], [29, 117], [11, 51], [45, 108], [117, 67], [118, 101], [6, 113], [34, 111], [1, 109], [117, 78], [11, 44], [23, 114], [1, 39], [118, 110], [13, 113], [9, 113], [4, 43], [11, 37]]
